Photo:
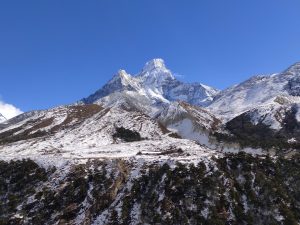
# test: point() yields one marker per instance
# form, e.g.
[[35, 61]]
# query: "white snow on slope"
[[185, 129], [73, 139], [273, 114], [268, 115], [94, 131], [189, 122]]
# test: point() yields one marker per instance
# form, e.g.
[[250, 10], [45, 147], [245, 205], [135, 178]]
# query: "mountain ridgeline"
[[262, 112]]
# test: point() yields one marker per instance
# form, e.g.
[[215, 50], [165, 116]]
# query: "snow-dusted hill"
[[90, 131], [270, 126], [258, 91]]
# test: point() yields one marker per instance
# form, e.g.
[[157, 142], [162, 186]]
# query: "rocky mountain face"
[[272, 127], [150, 149], [190, 122], [262, 112], [155, 85]]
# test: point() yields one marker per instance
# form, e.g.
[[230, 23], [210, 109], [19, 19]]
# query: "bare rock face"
[[293, 86]]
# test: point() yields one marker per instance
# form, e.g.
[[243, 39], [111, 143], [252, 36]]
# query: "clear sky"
[[55, 52]]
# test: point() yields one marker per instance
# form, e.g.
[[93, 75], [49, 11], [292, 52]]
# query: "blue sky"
[[56, 52]]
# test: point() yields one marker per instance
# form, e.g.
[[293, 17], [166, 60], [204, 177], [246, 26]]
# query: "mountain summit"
[[154, 64], [293, 69], [155, 73]]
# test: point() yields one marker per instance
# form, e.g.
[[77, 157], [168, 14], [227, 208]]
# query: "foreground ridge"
[[235, 189]]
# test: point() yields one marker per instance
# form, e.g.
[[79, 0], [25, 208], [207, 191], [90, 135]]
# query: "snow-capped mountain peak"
[[154, 64], [155, 84], [293, 69], [155, 73]]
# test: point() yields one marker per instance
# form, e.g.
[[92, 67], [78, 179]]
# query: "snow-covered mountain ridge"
[[155, 92], [155, 84], [258, 91], [262, 111], [155, 88]]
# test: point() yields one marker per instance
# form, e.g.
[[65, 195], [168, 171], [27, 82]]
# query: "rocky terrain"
[[232, 189]]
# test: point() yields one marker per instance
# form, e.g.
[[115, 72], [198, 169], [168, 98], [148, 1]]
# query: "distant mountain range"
[[264, 105], [149, 141]]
